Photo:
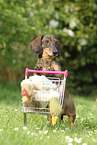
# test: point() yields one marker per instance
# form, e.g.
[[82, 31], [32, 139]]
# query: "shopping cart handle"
[[65, 73]]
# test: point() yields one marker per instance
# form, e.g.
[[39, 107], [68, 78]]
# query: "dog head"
[[47, 45]]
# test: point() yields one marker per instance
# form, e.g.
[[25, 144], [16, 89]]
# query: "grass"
[[38, 131]]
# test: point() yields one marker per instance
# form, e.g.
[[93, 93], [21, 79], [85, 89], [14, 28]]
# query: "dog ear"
[[59, 48], [36, 45]]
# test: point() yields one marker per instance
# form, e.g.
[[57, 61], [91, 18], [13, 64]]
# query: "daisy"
[[70, 140], [16, 128], [24, 128], [78, 140], [46, 131], [67, 138], [54, 131]]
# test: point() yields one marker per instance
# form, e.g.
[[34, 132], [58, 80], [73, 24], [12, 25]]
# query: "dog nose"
[[55, 52]]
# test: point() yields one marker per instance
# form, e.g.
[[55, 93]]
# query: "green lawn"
[[38, 131]]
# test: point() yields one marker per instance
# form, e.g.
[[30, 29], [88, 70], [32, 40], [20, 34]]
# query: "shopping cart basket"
[[60, 87]]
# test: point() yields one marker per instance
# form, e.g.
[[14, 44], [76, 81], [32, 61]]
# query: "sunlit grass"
[[38, 131]]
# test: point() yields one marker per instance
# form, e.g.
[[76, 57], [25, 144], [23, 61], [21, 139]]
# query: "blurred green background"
[[73, 22]]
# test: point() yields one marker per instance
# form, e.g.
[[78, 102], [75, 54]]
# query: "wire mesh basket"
[[39, 103]]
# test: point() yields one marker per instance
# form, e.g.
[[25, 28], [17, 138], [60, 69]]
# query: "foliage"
[[38, 131], [73, 22]]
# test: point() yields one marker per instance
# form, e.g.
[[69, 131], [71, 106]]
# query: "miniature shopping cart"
[[60, 87]]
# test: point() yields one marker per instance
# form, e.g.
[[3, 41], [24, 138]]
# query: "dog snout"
[[55, 52]]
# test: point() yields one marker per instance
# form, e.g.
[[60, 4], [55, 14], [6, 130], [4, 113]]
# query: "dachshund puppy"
[[47, 47]]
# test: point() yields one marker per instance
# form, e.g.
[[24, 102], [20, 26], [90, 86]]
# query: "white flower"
[[78, 140], [70, 144], [67, 138], [77, 116], [28, 132], [33, 133], [62, 130], [14, 61], [82, 41], [70, 140], [57, 16], [82, 119], [37, 128], [54, 131], [53, 23], [33, 5], [48, 136], [15, 109], [95, 131], [40, 131], [84, 144], [65, 29], [72, 24], [46, 131], [1, 130], [31, 14], [24, 128], [70, 32], [16, 128], [92, 116]]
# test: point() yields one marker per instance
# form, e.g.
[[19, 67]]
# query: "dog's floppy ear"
[[36, 45], [59, 47]]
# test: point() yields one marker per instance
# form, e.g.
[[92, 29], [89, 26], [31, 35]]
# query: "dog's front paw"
[[38, 67], [50, 69]]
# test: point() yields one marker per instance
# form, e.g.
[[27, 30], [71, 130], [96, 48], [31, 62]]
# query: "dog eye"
[[56, 42], [47, 41]]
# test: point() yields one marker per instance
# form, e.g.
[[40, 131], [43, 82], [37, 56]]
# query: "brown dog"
[[47, 48]]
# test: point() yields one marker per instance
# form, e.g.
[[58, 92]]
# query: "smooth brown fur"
[[47, 48]]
